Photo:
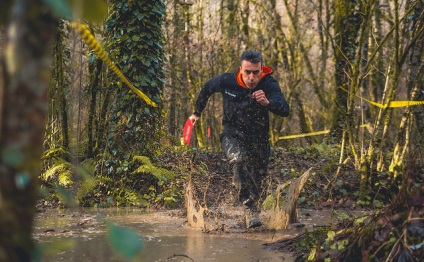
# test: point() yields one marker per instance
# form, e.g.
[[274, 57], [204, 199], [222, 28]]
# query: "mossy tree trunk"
[[135, 38], [22, 119], [346, 26], [57, 129], [62, 85]]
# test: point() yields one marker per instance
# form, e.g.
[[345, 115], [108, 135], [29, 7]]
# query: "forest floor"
[[325, 188], [330, 186]]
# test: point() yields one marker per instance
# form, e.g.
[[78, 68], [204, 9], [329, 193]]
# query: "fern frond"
[[86, 168], [86, 187], [147, 167], [62, 172], [58, 152], [143, 159]]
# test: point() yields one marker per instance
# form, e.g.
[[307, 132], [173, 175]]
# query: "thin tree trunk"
[[103, 122], [310, 74], [95, 72], [415, 83], [347, 22], [60, 87]]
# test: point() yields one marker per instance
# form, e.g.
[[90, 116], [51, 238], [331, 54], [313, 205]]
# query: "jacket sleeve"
[[211, 86], [277, 102]]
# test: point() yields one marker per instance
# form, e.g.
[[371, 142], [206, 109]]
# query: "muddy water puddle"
[[82, 235]]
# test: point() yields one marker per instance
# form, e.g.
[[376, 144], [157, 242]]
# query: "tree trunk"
[[62, 87], [415, 83], [135, 127], [23, 113], [95, 70], [346, 27]]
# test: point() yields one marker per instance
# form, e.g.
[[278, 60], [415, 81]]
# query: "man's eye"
[[252, 72]]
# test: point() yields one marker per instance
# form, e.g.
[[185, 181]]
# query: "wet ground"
[[81, 235]]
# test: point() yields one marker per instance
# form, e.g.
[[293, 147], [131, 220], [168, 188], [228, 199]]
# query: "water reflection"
[[82, 236]]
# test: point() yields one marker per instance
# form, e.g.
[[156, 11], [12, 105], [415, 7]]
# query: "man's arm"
[[277, 103], [212, 86]]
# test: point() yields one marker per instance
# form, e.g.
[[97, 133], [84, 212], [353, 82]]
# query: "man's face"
[[251, 73]]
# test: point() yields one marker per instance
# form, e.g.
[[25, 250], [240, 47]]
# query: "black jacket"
[[243, 116]]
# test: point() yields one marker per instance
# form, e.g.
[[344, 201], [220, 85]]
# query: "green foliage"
[[314, 151], [86, 187], [135, 40], [62, 178], [322, 238], [128, 183], [58, 170], [60, 173], [55, 153], [306, 245], [163, 175]]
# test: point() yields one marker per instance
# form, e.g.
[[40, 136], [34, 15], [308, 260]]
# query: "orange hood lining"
[[266, 70]]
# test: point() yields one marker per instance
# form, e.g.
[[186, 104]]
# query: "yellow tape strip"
[[405, 103], [391, 104], [304, 135], [97, 48], [312, 134]]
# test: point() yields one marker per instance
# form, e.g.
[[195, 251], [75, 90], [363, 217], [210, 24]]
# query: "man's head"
[[251, 68]]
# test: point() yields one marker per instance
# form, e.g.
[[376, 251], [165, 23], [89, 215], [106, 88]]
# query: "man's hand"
[[260, 97], [193, 118]]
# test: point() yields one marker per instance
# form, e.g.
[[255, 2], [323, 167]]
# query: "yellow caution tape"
[[97, 48], [304, 135], [391, 104], [312, 134]]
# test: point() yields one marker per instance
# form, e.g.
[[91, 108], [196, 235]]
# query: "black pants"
[[249, 160]]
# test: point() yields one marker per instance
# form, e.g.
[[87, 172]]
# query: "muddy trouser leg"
[[235, 154], [258, 159]]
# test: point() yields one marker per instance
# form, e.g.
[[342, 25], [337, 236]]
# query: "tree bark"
[[95, 70], [346, 27], [23, 113]]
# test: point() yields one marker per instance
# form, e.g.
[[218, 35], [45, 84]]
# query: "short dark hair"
[[253, 56]]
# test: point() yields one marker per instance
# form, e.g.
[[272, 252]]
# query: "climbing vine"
[[135, 39]]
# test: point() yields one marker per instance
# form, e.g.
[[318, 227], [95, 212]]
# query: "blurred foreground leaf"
[[59, 7], [48, 249], [125, 241], [65, 196], [92, 10]]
